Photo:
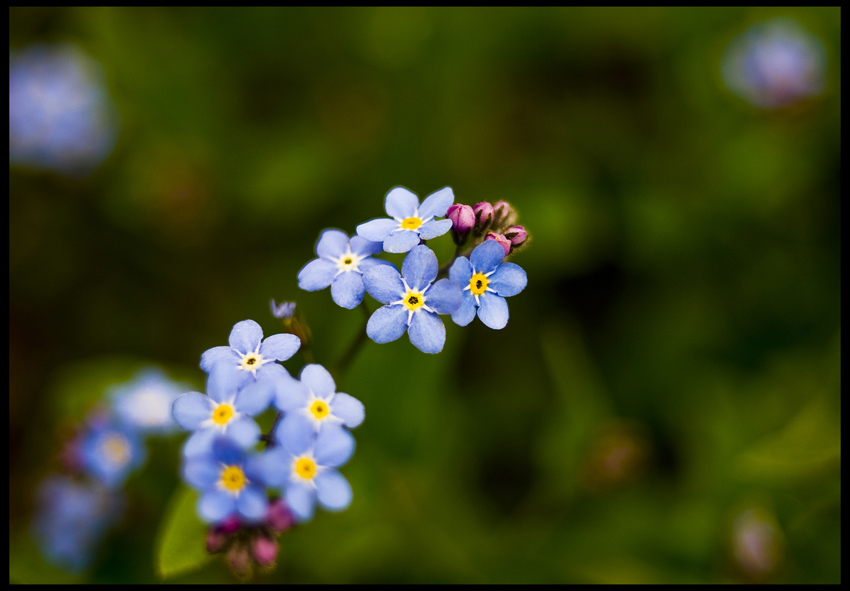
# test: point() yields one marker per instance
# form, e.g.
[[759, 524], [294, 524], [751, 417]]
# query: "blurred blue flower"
[[283, 310], [313, 403], [340, 265], [486, 284], [775, 64], [111, 451], [409, 222], [60, 116], [144, 402], [226, 411], [411, 301], [304, 466], [71, 518], [230, 480]]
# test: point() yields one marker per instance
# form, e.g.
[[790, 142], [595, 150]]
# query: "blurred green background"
[[672, 364]]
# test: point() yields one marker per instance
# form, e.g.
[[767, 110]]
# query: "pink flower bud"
[[278, 516], [506, 244], [462, 217], [239, 559], [264, 550], [483, 213], [215, 540], [504, 214], [516, 234], [228, 525]]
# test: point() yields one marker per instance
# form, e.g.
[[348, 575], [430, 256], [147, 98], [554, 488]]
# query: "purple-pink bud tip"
[[516, 234], [462, 217], [506, 244], [278, 516], [215, 540], [228, 525], [264, 550], [483, 212]]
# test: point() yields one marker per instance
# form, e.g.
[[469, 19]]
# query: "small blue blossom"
[[486, 284], [312, 404], [249, 355], [283, 310], [71, 518], [412, 303], [230, 481], [409, 222], [227, 410], [304, 466], [144, 402], [340, 265], [110, 452]]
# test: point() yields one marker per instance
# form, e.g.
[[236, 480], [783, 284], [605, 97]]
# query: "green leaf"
[[182, 539]]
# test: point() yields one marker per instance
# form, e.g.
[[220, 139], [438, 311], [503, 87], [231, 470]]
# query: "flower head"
[[110, 451], [486, 283], [412, 302], [409, 221], [144, 402], [340, 265], [284, 310], [230, 481]]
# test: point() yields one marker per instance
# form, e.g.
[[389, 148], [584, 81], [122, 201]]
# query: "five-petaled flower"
[[144, 402], [111, 451], [486, 283], [409, 221], [230, 481], [412, 302], [341, 264]]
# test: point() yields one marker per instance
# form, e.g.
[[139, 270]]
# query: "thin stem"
[[444, 270], [350, 353]]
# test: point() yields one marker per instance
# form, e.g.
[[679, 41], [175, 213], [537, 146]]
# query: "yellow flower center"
[[319, 409], [116, 448], [411, 223], [305, 468], [222, 414], [233, 478], [478, 284], [347, 261], [251, 361], [413, 300]]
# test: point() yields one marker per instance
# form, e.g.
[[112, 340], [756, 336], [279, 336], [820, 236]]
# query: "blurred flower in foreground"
[[775, 64], [756, 543], [60, 116]]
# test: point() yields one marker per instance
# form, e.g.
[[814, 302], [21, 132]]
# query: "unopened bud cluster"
[[492, 221]]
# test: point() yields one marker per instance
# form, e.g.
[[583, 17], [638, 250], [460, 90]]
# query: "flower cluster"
[[74, 510]]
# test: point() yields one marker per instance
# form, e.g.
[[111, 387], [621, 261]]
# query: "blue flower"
[[229, 480], [313, 404], [486, 284], [110, 452], [304, 466], [144, 402], [283, 310], [411, 301], [410, 221], [249, 355], [341, 264], [226, 411]]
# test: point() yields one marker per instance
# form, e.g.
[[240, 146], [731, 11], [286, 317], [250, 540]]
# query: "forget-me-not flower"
[[412, 302], [409, 221], [313, 403], [340, 265], [486, 283], [231, 481], [144, 402], [111, 451], [226, 411], [305, 467]]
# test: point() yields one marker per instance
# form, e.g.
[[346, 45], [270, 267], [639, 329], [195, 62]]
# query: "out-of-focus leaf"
[[182, 536]]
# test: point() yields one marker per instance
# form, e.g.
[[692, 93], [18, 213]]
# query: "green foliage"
[[181, 546]]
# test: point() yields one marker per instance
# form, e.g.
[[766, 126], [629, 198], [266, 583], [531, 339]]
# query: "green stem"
[[348, 356]]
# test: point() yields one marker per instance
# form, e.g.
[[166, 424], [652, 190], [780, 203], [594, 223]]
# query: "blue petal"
[[493, 310], [280, 346], [215, 505], [316, 275], [384, 283], [291, 394], [246, 336], [254, 469], [420, 267], [254, 398], [252, 503], [216, 355], [427, 332], [444, 297], [272, 372], [461, 271], [318, 379], [361, 246], [200, 443], [332, 490], [333, 446], [401, 203], [486, 256], [367, 264], [192, 409], [508, 280], [434, 228], [225, 380], [436, 204], [347, 290], [332, 244], [295, 433], [277, 466], [227, 451], [201, 472], [466, 313], [387, 324], [401, 241], [243, 431], [300, 498], [377, 230], [349, 409]]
